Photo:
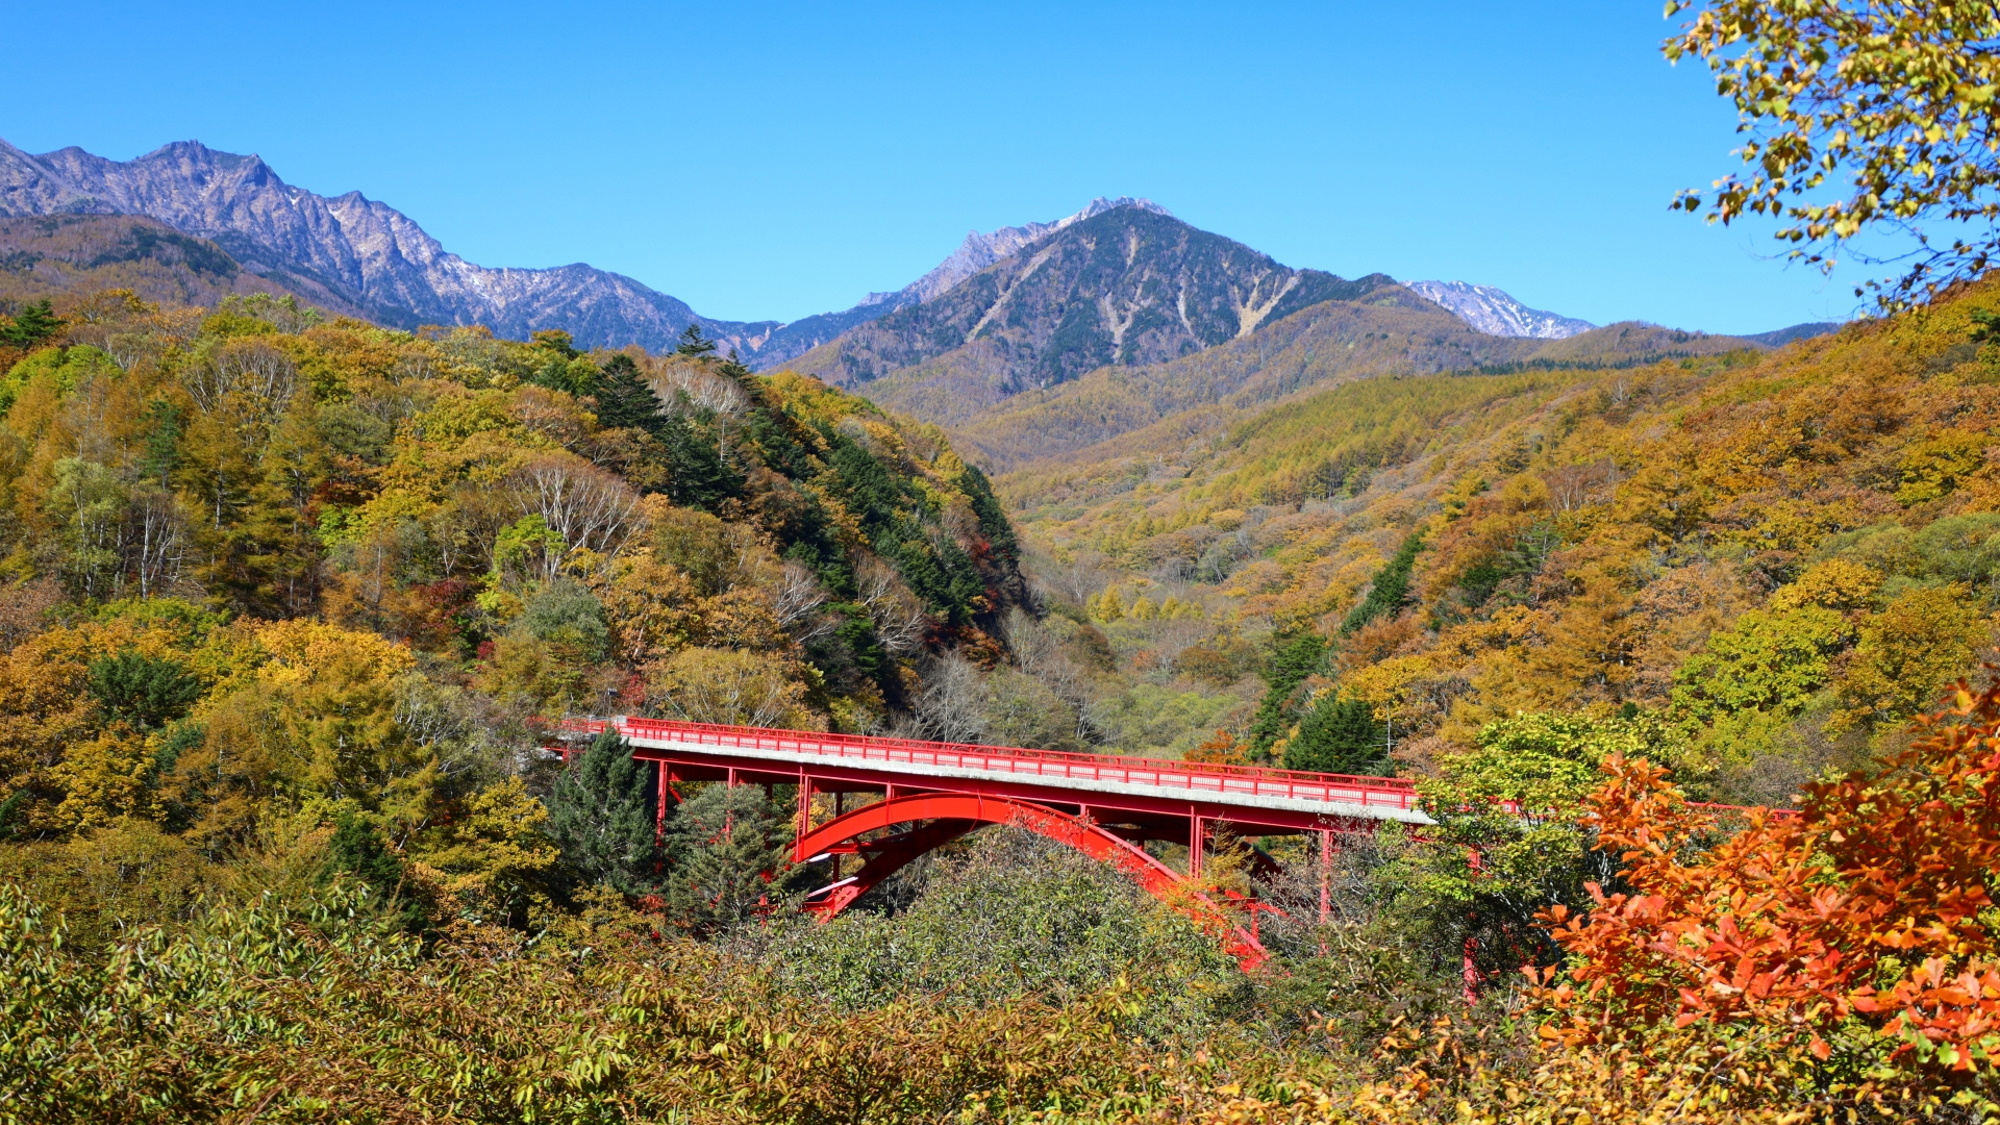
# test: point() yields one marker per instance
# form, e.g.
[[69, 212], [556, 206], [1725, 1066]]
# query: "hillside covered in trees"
[[289, 600], [1781, 559], [247, 549]]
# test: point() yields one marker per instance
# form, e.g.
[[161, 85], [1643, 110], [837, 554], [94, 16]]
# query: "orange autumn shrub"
[[1862, 928]]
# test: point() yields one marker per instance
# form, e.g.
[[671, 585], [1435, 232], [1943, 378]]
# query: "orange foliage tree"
[[1861, 927]]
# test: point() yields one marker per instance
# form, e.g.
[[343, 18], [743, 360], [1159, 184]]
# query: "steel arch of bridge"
[[939, 818]]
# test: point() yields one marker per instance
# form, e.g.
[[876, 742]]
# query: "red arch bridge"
[[926, 794]]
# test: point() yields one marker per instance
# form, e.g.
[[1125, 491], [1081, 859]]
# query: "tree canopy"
[[1860, 115]]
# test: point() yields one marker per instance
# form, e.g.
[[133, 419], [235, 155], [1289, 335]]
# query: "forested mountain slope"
[[503, 529], [1780, 558], [1390, 331], [85, 254], [285, 596]]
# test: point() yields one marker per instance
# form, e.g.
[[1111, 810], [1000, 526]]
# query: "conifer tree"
[[33, 324], [601, 816], [279, 571], [697, 477], [739, 371], [357, 851], [692, 342], [1297, 658], [166, 425], [1390, 590], [727, 852], [144, 692], [1338, 736], [624, 400]]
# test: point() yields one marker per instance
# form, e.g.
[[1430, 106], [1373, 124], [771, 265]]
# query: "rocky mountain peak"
[[1121, 282], [979, 251]]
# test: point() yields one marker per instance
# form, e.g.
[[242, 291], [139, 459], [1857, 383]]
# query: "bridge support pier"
[[1197, 841], [660, 772], [1325, 874]]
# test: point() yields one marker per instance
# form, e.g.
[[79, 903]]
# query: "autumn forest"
[[1684, 644]]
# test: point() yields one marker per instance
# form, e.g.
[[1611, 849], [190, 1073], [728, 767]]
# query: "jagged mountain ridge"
[[1388, 332], [979, 251], [1497, 314], [369, 254], [1128, 285]]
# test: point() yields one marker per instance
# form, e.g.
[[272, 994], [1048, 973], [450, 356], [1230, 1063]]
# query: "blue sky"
[[772, 160]]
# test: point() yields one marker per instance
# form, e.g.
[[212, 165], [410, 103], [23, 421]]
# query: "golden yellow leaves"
[[300, 651], [719, 685], [1894, 98]]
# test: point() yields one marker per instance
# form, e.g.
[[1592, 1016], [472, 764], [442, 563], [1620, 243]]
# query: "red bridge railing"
[[1200, 779]]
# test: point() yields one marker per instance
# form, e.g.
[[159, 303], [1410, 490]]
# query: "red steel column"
[[805, 805], [1325, 874], [1197, 837], [660, 812]]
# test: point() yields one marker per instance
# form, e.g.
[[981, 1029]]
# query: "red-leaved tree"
[[1868, 914]]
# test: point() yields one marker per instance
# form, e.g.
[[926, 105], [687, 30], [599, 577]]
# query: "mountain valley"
[[305, 598]]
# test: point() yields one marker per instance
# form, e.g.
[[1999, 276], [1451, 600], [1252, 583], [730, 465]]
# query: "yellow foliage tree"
[[714, 685]]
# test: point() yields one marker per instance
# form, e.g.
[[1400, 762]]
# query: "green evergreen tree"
[[1296, 658], [357, 850], [32, 325], [624, 400], [11, 809], [144, 692], [696, 475], [1390, 590], [692, 342], [601, 815], [727, 849], [280, 552], [1338, 736], [168, 423], [736, 369]]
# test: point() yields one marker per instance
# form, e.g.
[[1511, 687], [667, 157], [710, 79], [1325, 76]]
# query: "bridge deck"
[[1087, 778]]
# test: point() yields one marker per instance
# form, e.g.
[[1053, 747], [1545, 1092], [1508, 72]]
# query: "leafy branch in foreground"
[[1897, 97]]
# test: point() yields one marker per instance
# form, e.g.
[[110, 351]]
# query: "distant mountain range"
[[368, 254], [1017, 339]]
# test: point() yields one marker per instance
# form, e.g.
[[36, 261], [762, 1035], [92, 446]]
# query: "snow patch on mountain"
[[1495, 313]]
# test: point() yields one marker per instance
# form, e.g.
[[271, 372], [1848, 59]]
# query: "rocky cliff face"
[[1495, 313], [1126, 285], [977, 252], [369, 253]]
